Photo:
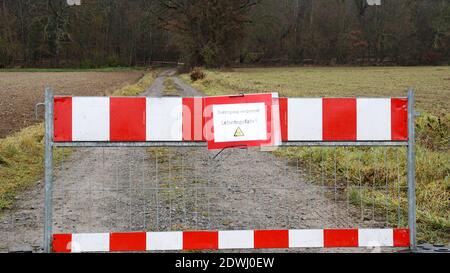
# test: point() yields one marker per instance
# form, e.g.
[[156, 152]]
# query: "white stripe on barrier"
[[305, 119], [164, 119], [276, 126], [165, 240], [90, 242], [90, 119], [373, 119], [375, 237], [236, 239], [306, 238]]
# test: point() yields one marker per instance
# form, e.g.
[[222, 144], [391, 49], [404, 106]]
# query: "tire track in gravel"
[[114, 189]]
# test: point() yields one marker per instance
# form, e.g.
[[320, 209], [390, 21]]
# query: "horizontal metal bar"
[[343, 143], [204, 144], [241, 95], [131, 144]]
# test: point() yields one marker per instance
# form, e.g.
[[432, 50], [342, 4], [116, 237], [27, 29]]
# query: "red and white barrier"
[[182, 119], [343, 119], [92, 119], [118, 119], [236, 239]]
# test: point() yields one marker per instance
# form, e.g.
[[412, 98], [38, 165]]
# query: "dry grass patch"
[[137, 88], [170, 88]]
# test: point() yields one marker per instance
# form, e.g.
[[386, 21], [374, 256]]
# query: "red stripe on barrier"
[[339, 119], [399, 119], [62, 243], [199, 120], [401, 237], [127, 119], [62, 118], [283, 104], [130, 241], [271, 238], [188, 119], [193, 240], [340, 237], [193, 120]]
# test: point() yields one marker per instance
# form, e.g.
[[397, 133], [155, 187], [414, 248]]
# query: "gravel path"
[[135, 189]]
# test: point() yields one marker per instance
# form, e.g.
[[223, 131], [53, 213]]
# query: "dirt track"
[[104, 190], [20, 91]]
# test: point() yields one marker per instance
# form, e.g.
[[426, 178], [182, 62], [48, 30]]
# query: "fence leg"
[[411, 173], [48, 165]]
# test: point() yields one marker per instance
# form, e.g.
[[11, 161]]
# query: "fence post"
[[411, 172], [48, 165]]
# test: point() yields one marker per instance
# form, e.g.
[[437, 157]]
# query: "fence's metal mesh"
[[168, 189]]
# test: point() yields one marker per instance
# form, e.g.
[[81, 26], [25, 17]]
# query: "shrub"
[[197, 74], [431, 57]]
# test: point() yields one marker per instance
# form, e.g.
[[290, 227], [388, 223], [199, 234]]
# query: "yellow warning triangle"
[[239, 132]]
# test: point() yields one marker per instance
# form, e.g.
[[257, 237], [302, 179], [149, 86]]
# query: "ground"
[[20, 91], [133, 189]]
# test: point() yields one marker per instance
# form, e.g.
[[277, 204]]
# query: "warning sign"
[[235, 121], [239, 132], [232, 120]]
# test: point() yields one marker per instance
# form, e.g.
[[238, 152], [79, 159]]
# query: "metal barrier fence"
[[176, 195]]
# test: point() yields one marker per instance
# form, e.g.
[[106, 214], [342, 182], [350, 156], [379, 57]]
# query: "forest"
[[223, 33]]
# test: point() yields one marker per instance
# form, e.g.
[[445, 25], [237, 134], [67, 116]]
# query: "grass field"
[[432, 87], [21, 154], [432, 84]]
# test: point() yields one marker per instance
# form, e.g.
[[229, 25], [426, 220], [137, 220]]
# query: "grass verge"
[[170, 89], [21, 162], [432, 86], [22, 154], [139, 87]]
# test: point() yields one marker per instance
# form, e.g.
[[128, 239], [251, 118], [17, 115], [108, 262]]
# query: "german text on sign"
[[240, 122]]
